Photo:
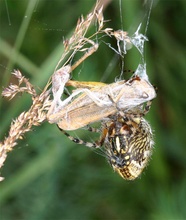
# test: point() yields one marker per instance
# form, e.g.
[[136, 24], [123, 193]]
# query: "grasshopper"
[[94, 101]]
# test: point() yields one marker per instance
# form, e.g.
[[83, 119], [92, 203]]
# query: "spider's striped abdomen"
[[129, 145]]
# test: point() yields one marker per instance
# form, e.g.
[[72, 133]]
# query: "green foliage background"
[[49, 177]]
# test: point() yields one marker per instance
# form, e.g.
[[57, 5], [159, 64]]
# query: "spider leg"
[[147, 107], [79, 141], [91, 129], [149, 103]]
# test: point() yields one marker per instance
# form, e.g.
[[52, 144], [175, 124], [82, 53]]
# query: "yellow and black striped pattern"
[[129, 145]]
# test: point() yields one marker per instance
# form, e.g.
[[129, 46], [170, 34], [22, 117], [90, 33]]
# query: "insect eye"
[[145, 95]]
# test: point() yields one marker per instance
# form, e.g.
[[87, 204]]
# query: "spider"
[[126, 139]]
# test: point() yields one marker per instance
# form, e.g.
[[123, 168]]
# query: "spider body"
[[127, 141], [128, 145], [126, 137]]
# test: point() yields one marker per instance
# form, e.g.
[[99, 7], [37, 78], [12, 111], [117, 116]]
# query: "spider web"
[[138, 39]]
